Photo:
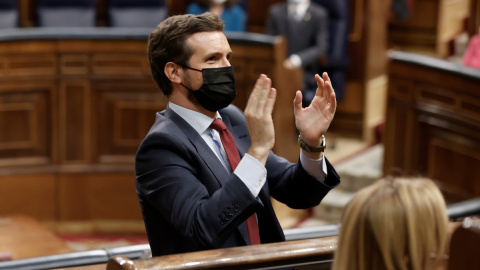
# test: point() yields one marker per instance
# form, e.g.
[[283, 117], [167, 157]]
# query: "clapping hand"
[[313, 121], [258, 116]]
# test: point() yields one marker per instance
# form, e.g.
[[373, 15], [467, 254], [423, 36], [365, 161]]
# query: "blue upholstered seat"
[[68, 13], [136, 13], [8, 14]]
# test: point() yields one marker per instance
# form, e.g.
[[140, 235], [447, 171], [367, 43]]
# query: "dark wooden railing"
[[318, 252]]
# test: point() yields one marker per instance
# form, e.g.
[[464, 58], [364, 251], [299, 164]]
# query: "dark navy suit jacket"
[[190, 202]]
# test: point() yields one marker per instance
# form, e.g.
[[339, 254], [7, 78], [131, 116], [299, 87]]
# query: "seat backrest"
[[68, 13], [464, 246], [136, 13], [8, 14], [242, 3]]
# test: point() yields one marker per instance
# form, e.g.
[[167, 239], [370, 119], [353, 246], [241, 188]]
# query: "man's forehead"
[[208, 41], [212, 35]]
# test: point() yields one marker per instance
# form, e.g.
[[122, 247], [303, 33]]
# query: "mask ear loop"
[[191, 90], [190, 67], [186, 87]]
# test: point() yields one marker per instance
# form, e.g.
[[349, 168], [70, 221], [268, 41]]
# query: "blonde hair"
[[393, 224]]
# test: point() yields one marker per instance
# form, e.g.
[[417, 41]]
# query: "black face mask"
[[218, 89]]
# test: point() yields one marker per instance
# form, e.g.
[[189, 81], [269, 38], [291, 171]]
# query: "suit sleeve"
[[294, 187]]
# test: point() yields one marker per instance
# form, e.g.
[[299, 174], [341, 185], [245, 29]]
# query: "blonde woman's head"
[[393, 224]]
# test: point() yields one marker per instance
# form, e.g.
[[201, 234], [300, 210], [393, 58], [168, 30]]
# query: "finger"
[[272, 95], [259, 92], [328, 89], [320, 85], [297, 102], [326, 77], [332, 99]]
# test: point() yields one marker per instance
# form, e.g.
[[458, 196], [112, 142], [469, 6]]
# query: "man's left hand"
[[313, 121]]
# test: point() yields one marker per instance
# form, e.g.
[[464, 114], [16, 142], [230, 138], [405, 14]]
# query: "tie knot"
[[218, 125]]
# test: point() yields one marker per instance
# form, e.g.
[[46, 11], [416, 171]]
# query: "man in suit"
[[195, 192], [305, 26]]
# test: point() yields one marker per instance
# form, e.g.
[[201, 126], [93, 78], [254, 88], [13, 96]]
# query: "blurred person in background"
[[305, 26], [231, 14]]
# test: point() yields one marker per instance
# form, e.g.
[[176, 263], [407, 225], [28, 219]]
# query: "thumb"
[[297, 102]]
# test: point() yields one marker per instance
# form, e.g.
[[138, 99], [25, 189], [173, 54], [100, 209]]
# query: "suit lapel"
[[203, 150]]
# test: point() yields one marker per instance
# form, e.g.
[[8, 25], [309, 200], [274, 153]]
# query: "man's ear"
[[173, 72]]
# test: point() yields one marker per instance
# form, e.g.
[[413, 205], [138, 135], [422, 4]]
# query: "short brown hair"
[[167, 43]]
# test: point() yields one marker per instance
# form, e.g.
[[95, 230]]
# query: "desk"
[[24, 237]]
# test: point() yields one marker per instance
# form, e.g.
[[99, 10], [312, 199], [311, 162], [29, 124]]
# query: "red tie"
[[234, 158]]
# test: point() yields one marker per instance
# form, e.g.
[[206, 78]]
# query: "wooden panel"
[[26, 13], [257, 14], [120, 64], [25, 111], [249, 62], [98, 196], [125, 111], [474, 19], [367, 67], [464, 246], [74, 64], [31, 65], [433, 124], [75, 114], [31, 195], [445, 154], [432, 25]]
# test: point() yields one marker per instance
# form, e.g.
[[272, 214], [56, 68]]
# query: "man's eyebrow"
[[230, 53]]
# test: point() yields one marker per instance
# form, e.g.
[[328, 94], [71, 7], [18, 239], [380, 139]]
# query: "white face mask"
[[219, 2]]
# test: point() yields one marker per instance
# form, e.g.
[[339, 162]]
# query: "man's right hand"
[[258, 116]]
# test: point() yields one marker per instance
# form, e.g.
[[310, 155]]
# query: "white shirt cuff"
[[315, 167], [252, 173]]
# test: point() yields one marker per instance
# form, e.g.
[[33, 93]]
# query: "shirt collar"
[[300, 9], [199, 121]]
